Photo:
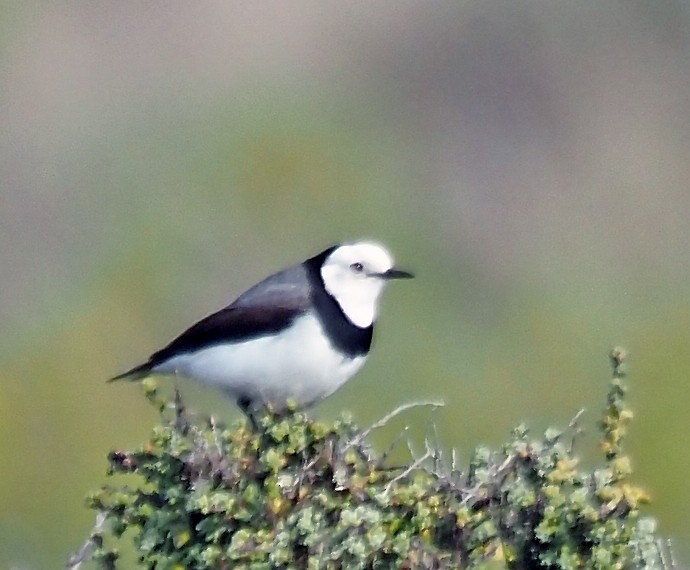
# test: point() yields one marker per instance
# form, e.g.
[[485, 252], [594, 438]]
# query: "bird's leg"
[[244, 404], [181, 420]]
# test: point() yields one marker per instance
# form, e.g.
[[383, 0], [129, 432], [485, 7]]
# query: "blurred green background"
[[528, 160]]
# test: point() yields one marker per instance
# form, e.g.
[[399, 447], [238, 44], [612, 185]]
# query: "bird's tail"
[[136, 373]]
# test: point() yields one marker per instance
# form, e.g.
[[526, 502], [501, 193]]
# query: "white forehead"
[[370, 254]]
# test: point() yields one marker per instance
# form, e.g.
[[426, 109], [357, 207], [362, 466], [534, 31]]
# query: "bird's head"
[[355, 274]]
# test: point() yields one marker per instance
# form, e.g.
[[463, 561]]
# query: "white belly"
[[299, 364]]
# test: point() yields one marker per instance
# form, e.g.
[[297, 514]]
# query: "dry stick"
[[415, 465], [439, 460], [388, 417], [575, 427], [500, 471], [666, 554], [82, 555], [576, 418], [393, 445]]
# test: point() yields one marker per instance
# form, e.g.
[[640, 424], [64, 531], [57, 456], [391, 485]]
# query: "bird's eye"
[[357, 267]]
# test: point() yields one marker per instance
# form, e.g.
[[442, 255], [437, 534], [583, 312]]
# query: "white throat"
[[358, 298]]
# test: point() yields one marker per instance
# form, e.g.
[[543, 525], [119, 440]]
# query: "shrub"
[[297, 493]]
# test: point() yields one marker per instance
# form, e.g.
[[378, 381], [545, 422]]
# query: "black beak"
[[395, 274]]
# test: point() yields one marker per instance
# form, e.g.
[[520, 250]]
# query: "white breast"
[[299, 363]]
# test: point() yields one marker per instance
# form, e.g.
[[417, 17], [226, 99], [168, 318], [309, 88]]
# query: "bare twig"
[[415, 465], [576, 418], [82, 555], [388, 417], [666, 554], [393, 445], [574, 425], [497, 475], [506, 465]]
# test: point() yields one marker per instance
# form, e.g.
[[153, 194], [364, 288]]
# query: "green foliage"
[[297, 493]]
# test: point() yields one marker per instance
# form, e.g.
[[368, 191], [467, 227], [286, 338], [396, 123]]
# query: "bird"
[[292, 339]]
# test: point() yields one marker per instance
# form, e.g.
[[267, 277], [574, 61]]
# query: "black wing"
[[267, 308]]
